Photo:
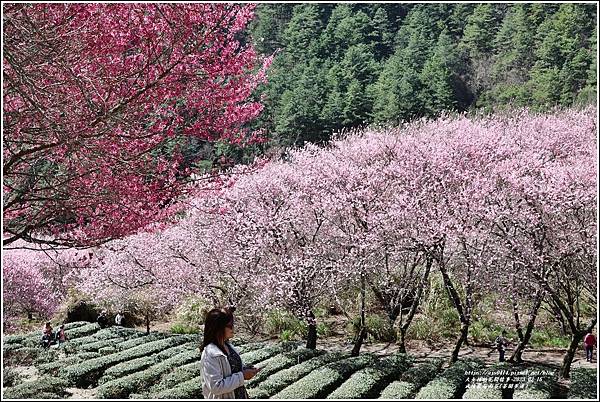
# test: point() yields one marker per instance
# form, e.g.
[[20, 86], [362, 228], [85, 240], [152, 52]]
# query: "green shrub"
[[88, 372], [378, 327], [142, 380], [583, 383], [484, 330], [192, 311], [283, 378], [448, 384], [280, 362], [11, 377], [324, 330], [33, 389], [546, 338], [190, 389], [320, 382], [179, 328], [277, 321], [411, 380], [368, 382]]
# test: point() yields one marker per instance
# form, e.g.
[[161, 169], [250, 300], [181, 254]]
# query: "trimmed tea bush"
[[54, 367], [280, 362], [23, 356], [265, 353], [11, 377], [87, 373], [583, 384], [142, 380], [177, 376], [320, 382], [131, 343], [368, 382], [411, 380], [482, 393], [481, 390], [141, 363], [282, 379], [541, 389], [191, 389], [33, 389], [448, 384]]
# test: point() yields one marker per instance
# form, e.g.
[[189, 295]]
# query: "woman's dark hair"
[[214, 327]]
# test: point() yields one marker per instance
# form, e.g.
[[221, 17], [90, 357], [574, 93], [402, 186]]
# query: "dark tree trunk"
[[524, 338], [402, 342], [29, 316], [576, 338], [455, 297], [464, 331], [570, 354], [413, 308], [362, 332], [311, 338], [359, 341], [147, 324]]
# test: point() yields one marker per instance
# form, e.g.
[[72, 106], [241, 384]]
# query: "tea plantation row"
[[125, 363]]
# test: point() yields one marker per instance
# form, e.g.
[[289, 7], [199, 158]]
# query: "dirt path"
[[419, 349]]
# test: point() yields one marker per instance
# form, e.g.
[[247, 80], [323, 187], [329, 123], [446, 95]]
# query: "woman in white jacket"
[[223, 374]]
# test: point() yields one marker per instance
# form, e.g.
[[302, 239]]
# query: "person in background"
[[501, 343], [102, 320], [119, 319], [589, 341], [223, 373], [47, 335], [61, 335]]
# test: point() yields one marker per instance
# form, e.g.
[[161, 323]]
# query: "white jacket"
[[217, 380]]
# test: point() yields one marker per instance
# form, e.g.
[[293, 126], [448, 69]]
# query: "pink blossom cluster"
[[36, 280], [502, 204], [95, 95]]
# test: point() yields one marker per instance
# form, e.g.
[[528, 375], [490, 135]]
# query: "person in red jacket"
[[589, 342]]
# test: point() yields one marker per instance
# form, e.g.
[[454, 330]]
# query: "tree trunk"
[[29, 316], [577, 336], [311, 338], [570, 354], [413, 308], [525, 337], [362, 333], [401, 342], [147, 324], [464, 331]]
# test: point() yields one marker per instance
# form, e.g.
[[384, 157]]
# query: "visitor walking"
[[223, 373], [501, 343], [589, 341]]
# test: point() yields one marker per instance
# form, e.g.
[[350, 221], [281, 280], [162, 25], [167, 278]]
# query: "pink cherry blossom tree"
[[99, 101], [36, 281]]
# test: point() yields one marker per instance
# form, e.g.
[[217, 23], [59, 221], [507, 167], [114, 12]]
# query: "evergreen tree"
[[438, 78]]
